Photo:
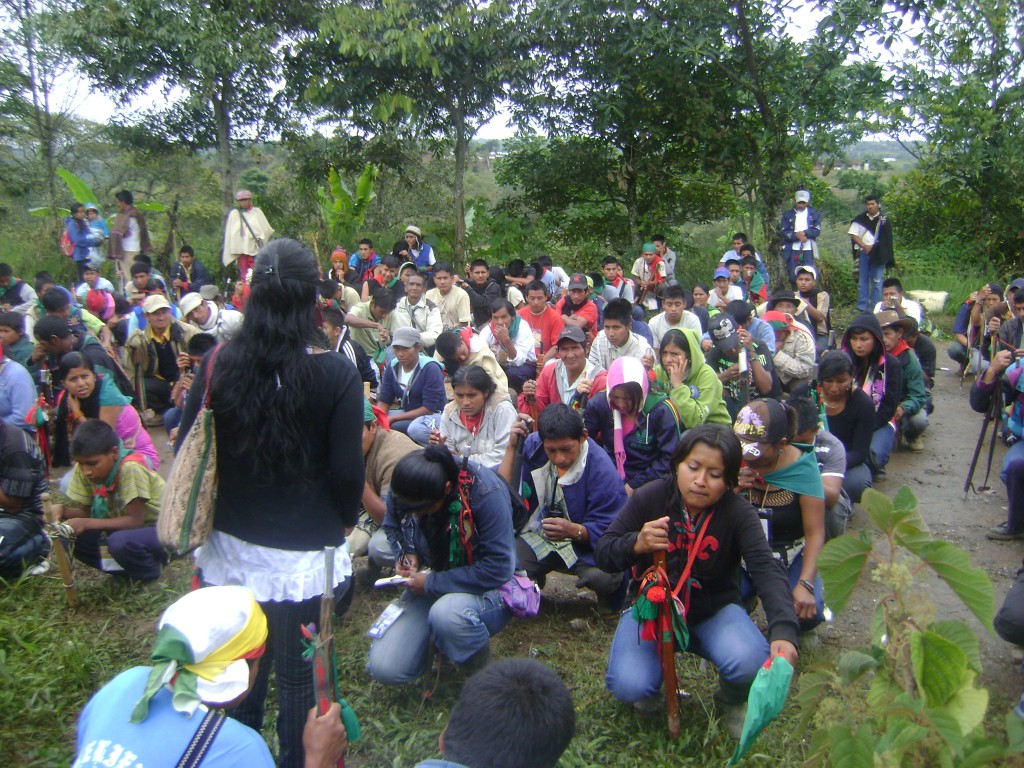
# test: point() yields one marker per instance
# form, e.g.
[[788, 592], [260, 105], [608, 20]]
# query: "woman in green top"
[[691, 384]]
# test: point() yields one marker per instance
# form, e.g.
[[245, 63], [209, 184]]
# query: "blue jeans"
[[793, 574], [915, 425], [418, 429], [460, 625], [882, 443], [729, 640], [856, 481], [869, 286], [1013, 475]]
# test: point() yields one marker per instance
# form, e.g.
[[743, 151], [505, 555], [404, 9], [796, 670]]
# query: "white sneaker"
[[39, 569]]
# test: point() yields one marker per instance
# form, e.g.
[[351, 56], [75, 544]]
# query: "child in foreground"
[[115, 498]]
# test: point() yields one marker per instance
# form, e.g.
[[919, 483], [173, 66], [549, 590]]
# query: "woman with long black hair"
[[456, 547], [289, 475]]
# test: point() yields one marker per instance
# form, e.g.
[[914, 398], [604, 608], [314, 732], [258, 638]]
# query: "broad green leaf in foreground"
[[851, 749], [940, 667], [840, 563], [971, 584], [82, 192]]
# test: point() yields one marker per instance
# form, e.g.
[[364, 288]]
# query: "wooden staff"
[[60, 554], [667, 652]]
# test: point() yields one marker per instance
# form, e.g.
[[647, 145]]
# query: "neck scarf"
[[102, 493], [513, 330], [801, 477]]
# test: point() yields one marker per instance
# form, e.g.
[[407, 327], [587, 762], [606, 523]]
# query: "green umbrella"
[[766, 699]]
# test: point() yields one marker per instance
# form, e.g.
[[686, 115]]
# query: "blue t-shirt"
[[107, 739]]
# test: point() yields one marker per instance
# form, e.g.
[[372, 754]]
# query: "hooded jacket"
[[699, 398], [652, 441], [487, 445], [882, 377]]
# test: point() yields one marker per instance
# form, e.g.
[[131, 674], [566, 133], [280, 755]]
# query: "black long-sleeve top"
[[311, 511], [733, 532]]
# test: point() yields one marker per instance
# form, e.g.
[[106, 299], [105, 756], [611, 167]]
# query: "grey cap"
[[406, 337], [209, 292], [573, 333]]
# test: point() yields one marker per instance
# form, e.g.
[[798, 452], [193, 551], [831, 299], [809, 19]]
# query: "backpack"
[[66, 246]]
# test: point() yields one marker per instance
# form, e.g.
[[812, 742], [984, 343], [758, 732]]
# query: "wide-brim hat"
[[889, 317], [189, 302]]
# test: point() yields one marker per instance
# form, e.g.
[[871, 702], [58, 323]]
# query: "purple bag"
[[522, 596]]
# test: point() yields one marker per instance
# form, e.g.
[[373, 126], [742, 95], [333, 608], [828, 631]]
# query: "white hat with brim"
[[188, 303]]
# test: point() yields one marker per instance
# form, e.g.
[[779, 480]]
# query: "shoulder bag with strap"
[[190, 495], [259, 240], [203, 738]]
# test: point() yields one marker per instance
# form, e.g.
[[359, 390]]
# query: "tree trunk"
[[28, 16], [222, 118], [461, 155]]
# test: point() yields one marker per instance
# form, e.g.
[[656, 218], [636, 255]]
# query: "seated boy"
[[617, 339], [115, 499], [16, 345], [676, 315]]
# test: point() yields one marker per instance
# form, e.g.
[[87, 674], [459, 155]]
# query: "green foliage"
[[910, 698], [580, 185], [224, 58], [344, 209], [863, 182], [692, 91], [79, 189], [441, 66], [960, 85]]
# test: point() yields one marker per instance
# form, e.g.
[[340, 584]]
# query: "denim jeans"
[[460, 625], [915, 425], [869, 286], [793, 574], [1013, 475], [882, 443], [729, 640], [856, 481], [417, 429]]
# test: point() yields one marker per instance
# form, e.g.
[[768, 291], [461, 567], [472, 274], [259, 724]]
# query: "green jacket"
[[699, 398], [914, 396]]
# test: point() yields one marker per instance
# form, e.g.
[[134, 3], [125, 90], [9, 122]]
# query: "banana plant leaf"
[[764, 703]]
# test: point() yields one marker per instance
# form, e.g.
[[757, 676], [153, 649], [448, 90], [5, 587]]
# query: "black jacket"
[[733, 532]]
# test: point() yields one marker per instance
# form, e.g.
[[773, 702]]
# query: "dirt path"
[[936, 477]]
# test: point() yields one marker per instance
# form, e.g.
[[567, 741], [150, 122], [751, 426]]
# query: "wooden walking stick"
[[667, 653], [57, 532]]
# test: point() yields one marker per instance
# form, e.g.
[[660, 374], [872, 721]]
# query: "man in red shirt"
[[545, 322], [576, 309]]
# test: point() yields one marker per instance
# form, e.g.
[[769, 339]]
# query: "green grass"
[[53, 659]]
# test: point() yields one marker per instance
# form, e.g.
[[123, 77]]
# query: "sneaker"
[[917, 444], [1002, 532], [42, 567], [152, 419]]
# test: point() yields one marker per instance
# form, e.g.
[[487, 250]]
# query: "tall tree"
[[438, 67], [962, 87], [30, 112], [217, 64], [700, 87]]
